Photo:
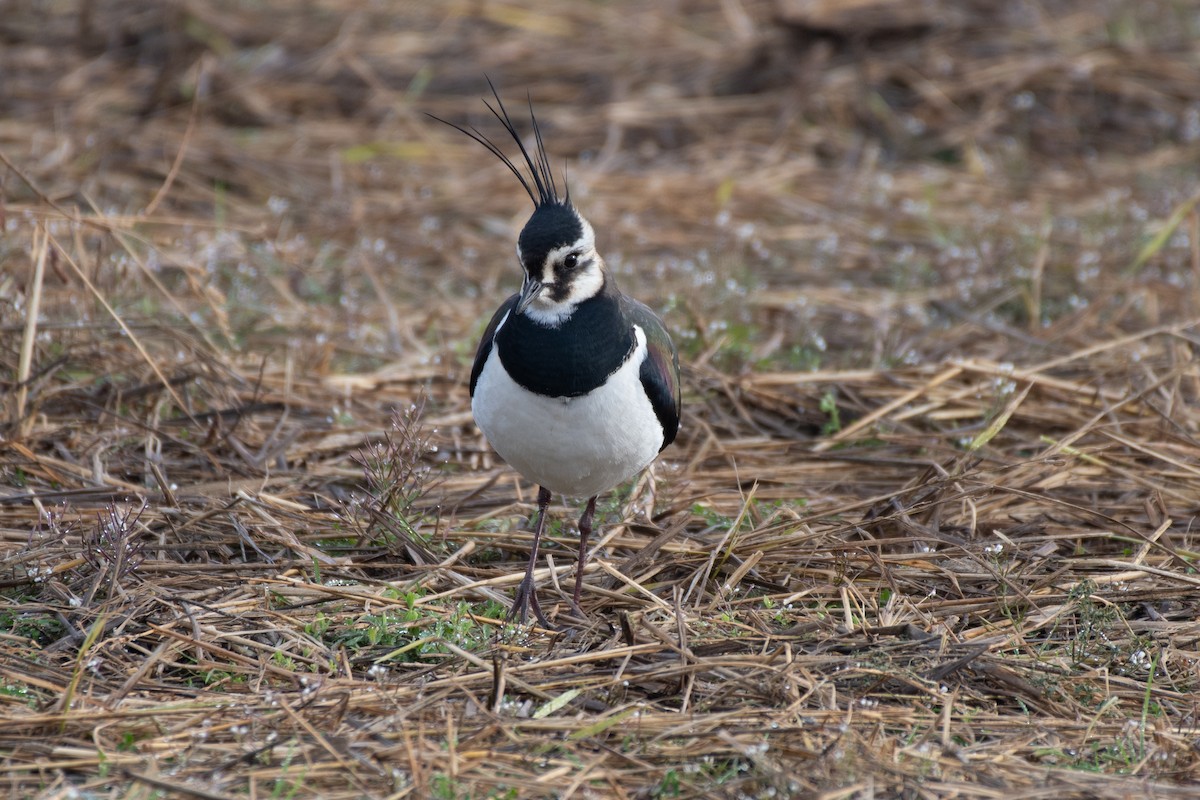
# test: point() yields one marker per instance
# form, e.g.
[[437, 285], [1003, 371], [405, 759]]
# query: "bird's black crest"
[[550, 227], [539, 183]]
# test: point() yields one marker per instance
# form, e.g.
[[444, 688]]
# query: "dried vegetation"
[[928, 530]]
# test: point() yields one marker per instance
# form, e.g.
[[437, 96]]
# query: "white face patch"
[[552, 305]]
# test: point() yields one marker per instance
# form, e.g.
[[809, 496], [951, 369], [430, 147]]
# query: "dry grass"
[[928, 530]]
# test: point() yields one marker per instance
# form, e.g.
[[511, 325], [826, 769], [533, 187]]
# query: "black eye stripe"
[[565, 273]]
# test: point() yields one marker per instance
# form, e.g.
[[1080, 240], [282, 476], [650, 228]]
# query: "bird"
[[574, 384]]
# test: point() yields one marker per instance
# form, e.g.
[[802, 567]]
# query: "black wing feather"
[[660, 369], [489, 336]]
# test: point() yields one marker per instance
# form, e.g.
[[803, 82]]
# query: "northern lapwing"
[[574, 384]]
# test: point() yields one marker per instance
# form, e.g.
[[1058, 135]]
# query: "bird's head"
[[557, 246], [557, 250]]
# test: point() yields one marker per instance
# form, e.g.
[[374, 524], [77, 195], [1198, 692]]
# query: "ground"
[[928, 529]]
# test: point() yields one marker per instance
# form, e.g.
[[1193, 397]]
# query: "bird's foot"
[[526, 597]]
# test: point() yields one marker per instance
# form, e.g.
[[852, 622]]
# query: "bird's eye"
[[571, 261]]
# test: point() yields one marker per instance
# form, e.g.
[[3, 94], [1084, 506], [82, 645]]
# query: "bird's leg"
[[526, 596], [585, 530]]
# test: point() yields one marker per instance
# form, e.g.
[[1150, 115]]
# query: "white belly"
[[576, 446]]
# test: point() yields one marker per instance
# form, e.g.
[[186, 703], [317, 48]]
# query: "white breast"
[[576, 446]]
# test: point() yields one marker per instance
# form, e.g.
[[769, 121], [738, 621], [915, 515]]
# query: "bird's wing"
[[660, 369], [489, 335]]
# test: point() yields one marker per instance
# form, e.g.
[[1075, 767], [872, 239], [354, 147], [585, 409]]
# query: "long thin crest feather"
[[539, 184]]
